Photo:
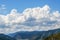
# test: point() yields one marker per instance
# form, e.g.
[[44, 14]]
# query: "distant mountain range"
[[33, 35], [5, 37]]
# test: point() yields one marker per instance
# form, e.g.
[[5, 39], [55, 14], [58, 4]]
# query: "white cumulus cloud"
[[31, 19]]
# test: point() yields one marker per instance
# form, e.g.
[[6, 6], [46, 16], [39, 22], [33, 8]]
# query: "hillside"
[[53, 37]]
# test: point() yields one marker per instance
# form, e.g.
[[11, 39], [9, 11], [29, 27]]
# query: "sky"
[[20, 5], [29, 15]]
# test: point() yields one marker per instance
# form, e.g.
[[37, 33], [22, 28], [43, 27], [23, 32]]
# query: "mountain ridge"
[[34, 35]]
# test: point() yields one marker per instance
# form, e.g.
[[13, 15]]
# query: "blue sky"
[[20, 5]]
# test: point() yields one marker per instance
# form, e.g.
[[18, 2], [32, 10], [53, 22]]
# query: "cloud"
[[3, 9], [31, 19]]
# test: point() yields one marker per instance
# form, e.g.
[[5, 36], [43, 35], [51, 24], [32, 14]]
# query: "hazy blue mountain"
[[34, 35], [5, 37]]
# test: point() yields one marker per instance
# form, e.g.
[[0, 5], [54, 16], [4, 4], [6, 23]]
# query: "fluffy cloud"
[[31, 19]]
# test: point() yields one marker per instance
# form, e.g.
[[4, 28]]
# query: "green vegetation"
[[53, 37]]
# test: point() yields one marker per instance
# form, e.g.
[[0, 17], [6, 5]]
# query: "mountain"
[[25, 35], [47, 34], [34, 35], [53, 37], [5, 37]]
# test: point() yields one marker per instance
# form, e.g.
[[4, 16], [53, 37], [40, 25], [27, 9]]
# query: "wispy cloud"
[[3, 9], [31, 19]]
